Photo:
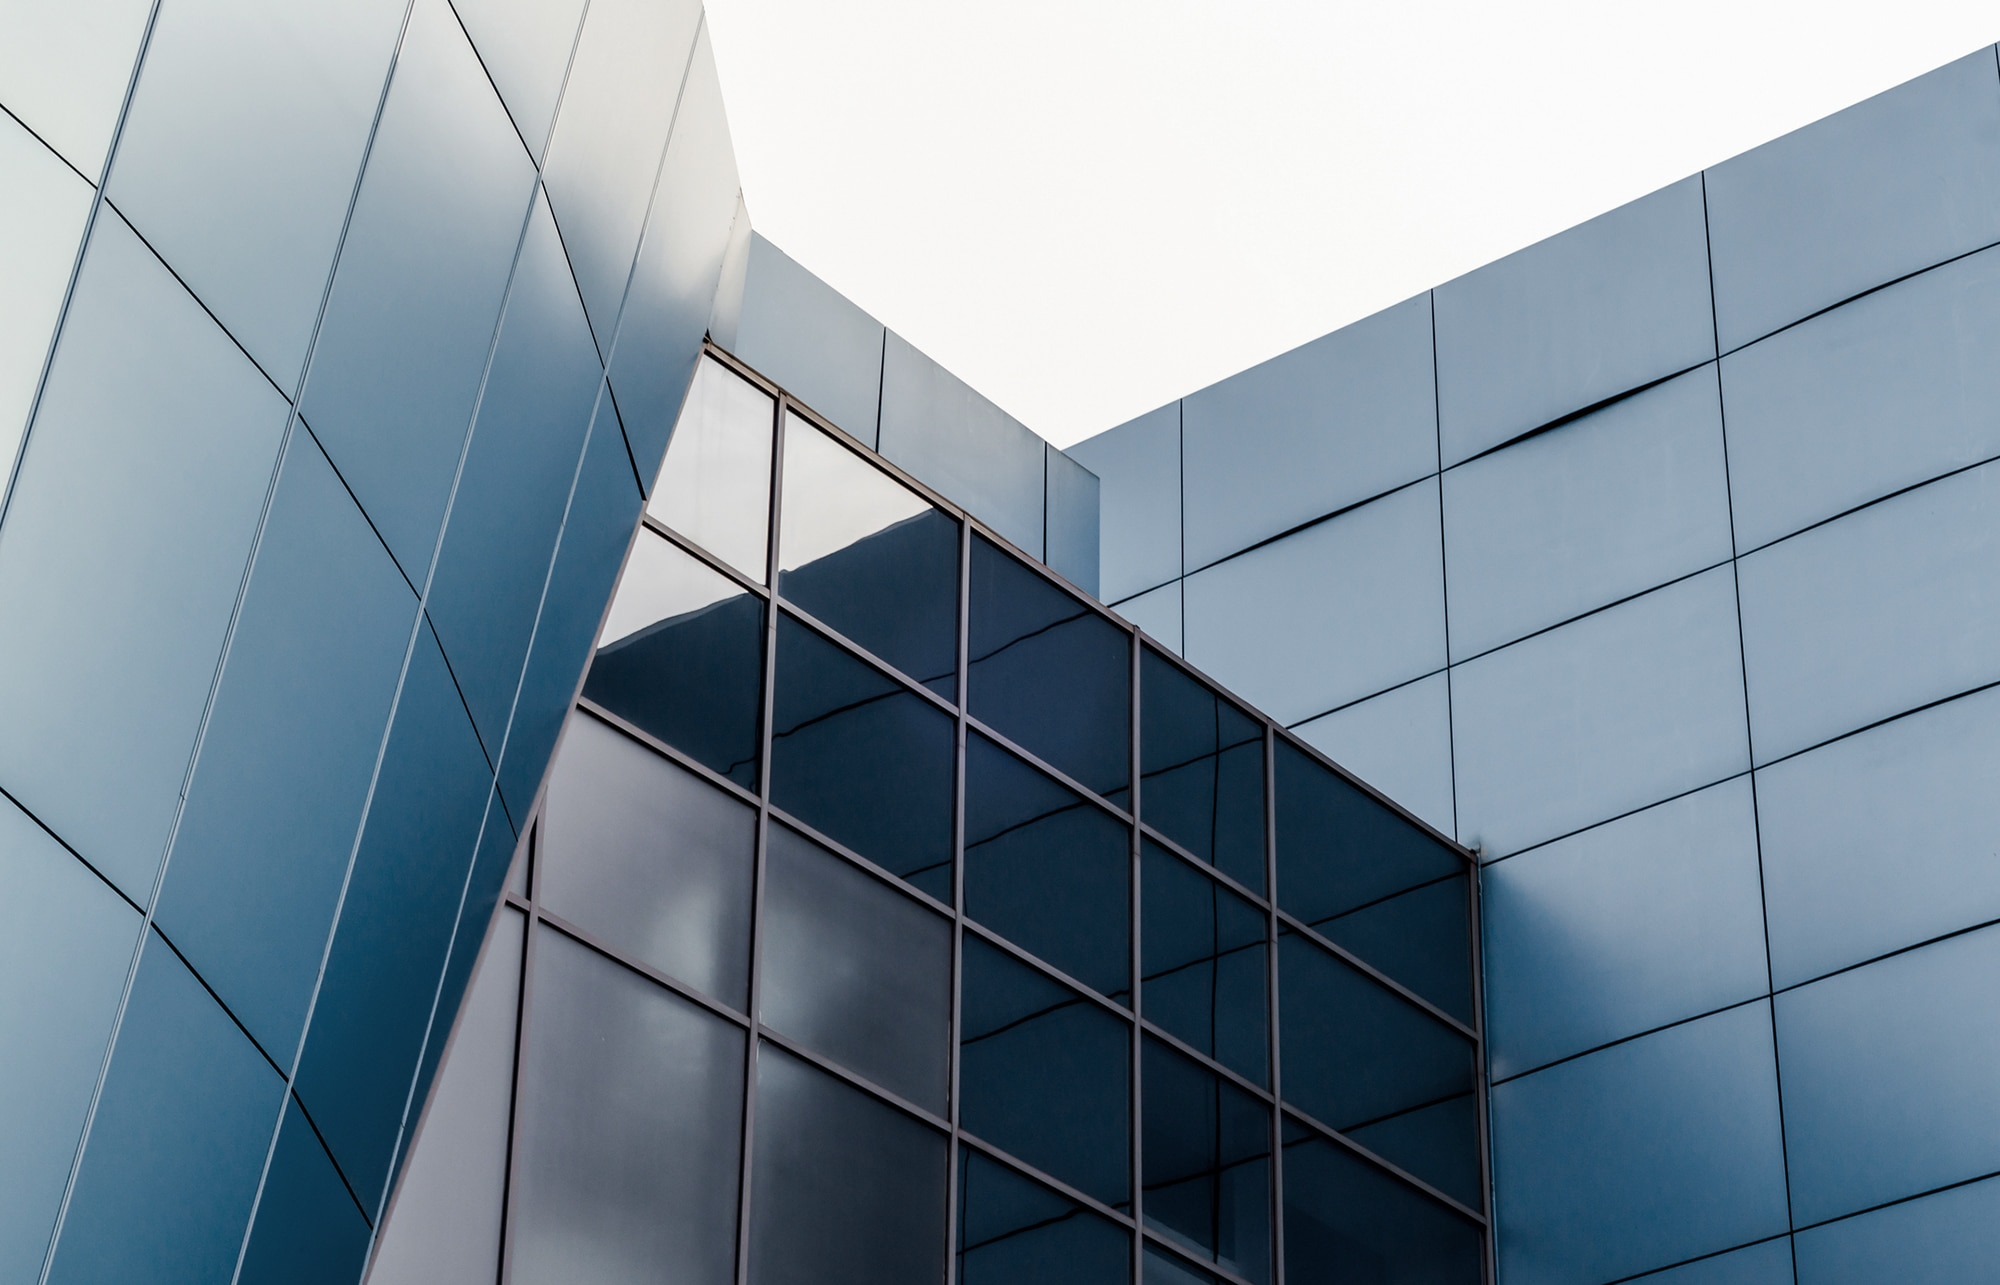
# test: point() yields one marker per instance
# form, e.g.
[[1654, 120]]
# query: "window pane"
[[630, 1129], [1343, 860], [651, 858], [848, 1190], [1163, 1268], [1203, 963], [870, 557], [1046, 869], [715, 486], [1369, 1063], [1048, 672], [1045, 1074], [1207, 1146], [1202, 761], [856, 970], [862, 758], [1012, 1229], [682, 656], [1349, 1223]]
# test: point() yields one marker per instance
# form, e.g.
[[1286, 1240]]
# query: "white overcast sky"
[[1086, 208]]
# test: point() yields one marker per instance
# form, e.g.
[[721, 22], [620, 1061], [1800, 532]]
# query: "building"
[[345, 344]]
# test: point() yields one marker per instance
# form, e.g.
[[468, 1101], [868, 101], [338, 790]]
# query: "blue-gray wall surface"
[[339, 343], [1658, 560]]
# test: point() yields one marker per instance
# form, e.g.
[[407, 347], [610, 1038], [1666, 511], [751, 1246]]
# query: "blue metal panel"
[[526, 48], [811, 339], [1139, 467], [1158, 612], [64, 70], [1769, 1263], [41, 227], [309, 1230], [1945, 1239], [1071, 497]]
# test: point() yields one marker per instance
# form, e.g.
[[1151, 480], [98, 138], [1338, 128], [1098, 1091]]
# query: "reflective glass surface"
[[1398, 742], [1602, 508], [1324, 426], [240, 150], [66, 78], [863, 759], [1139, 502], [65, 944], [645, 855], [1621, 709], [526, 46], [1348, 1223], [1372, 882], [150, 413], [616, 1073], [1045, 1074], [177, 1143], [1369, 1063], [40, 228], [1201, 765], [401, 905], [1207, 1148], [289, 754], [1889, 1077], [309, 1231], [1012, 1228], [681, 655], [847, 1190], [1594, 311], [1878, 613], [1904, 180], [1647, 1153], [1625, 927], [1204, 963], [811, 338], [1883, 839], [1158, 1267], [1876, 395], [856, 970], [1049, 673], [869, 557], [515, 482], [1374, 616], [1939, 1240], [408, 327], [617, 103], [1047, 870], [715, 486]]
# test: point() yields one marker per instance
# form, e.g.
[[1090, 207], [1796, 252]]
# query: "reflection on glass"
[[1373, 882], [715, 484], [847, 1189], [1012, 1229], [863, 759], [1207, 1146], [1203, 963], [682, 656], [1045, 1074], [651, 858], [1047, 870], [1163, 1268], [1049, 673], [1366, 1061], [1202, 760], [856, 970], [1349, 1223], [870, 557]]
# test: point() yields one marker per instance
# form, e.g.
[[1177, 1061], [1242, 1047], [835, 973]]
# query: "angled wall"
[[340, 343], [1656, 561]]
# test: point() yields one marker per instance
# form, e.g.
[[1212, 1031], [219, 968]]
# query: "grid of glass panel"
[[848, 958]]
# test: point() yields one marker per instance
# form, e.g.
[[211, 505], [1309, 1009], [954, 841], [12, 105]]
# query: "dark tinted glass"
[[856, 970], [870, 557], [682, 656], [1364, 1060], [1202, 762], [1046, 869], [1343, 857], [1045, 1074], [1162, 1268], [862, 758], [649, 857], [1349, 1223], [1048, 672], [1207, 1146], [1013, 1229], [1203, 963], [848, 1190]]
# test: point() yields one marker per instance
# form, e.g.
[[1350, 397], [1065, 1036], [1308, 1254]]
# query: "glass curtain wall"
[[896, 914]]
